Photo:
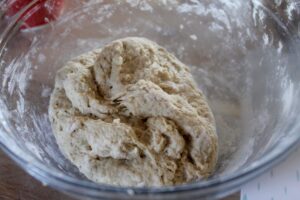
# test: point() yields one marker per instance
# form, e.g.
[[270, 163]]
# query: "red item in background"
[[40, 13]]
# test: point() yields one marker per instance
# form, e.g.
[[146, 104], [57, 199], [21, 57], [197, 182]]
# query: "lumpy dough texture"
[[130, 114]]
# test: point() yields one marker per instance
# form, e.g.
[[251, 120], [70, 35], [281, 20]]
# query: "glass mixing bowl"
[[244, 55]]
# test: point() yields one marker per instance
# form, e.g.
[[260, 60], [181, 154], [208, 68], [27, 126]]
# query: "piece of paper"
[[280, 183]]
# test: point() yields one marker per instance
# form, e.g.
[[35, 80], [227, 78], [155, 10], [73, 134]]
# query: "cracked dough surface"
[[130, 114]]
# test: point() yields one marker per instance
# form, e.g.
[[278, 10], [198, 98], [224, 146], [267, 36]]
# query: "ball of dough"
[[130, 114]]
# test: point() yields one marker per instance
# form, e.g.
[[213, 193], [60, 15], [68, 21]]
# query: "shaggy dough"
[[130, 114]]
